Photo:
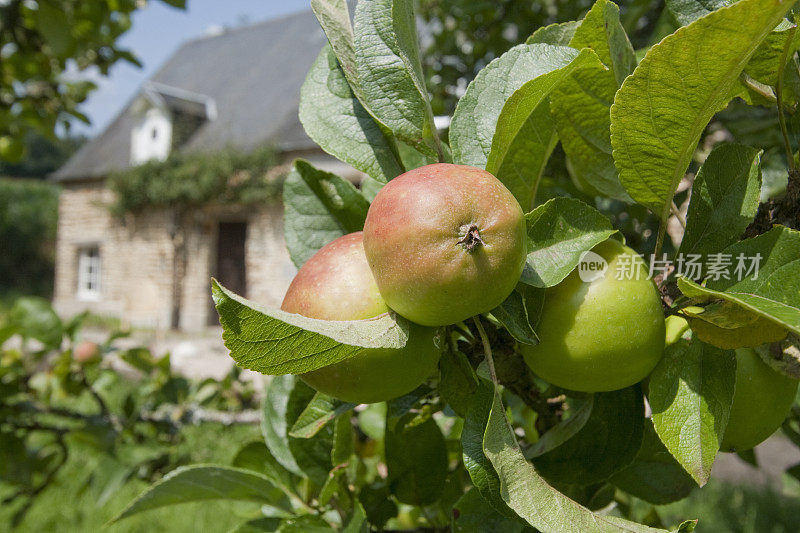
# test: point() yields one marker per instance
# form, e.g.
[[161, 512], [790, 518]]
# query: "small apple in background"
[[761, 400], [337, 284], [445, 242], [601, 335], [85, 351]]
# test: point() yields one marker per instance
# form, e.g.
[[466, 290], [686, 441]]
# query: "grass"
[[727, 508]]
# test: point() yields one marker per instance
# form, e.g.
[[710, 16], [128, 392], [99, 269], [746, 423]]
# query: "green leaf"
[[258, 525], [559, 231], [690, 393], [473, 514], [343, 440], [580, 411], [774, 293], [319, 411], [662, 109], [334, 118], [358, 522], [416, 459], [305, 524], [312, 455], [34, 318], [766, 61], [457, 381], [581, 104], [50, 23], [475, 119], [286, 399], [274, 425], [607, 442], [257, 457], [334, 17], [779, 248], [480, 469], [525, 136], [776, 311], [687, 11], [725, 197], [201, 483], [390, 71], [654, 476], [318, 208], [559, 34], [377, 502], [514, 315], [794, 471], [529, 495], [602, 31], [580, 108], [275, 342], [725, 315]]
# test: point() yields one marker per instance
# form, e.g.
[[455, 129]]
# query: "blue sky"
[[158, 30]]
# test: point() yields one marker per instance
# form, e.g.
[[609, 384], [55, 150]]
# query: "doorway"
[[230, 268]]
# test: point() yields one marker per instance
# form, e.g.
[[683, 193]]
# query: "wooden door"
[[230, 268]]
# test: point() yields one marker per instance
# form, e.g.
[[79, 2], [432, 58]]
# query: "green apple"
[[761, 400], [445, 242], [337, 284], [604, 334]]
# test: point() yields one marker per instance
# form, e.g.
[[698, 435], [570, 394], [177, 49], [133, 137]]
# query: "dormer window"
[[167, 118], [151, 136]]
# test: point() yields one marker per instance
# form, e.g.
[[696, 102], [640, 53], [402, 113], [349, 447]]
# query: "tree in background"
[[463, 36], [44, 155], [43, 45], [28, 217]]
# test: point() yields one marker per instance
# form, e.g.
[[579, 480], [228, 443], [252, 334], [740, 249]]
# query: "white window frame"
[[89, 273]]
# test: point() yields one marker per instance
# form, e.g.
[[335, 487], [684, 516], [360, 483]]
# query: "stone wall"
[[136, 257], [268, 266], [137, 260]]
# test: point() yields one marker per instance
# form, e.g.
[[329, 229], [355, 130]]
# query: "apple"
[[600, 335], [445, 242], [337, 284], [85, 351], [761, 400]]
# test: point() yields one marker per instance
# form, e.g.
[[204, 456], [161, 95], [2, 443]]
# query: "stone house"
[[240, 90]]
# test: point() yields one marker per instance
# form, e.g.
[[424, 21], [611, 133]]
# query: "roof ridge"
[[245, 27]]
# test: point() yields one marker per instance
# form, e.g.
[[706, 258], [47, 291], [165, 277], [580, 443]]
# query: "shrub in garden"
[[62, 400], [537, 416]]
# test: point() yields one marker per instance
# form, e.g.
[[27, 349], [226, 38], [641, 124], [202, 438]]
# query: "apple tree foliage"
[[486, 445]]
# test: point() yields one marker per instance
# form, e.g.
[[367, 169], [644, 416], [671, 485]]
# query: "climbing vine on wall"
[[196, 180]]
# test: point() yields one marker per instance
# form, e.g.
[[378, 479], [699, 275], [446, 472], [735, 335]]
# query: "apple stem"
[[471, 238], [487, 349]]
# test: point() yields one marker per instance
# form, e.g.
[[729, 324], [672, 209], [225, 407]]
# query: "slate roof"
[[253, 74]]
